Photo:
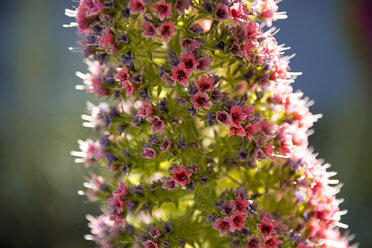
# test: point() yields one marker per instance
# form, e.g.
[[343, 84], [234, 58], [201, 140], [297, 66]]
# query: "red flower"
[[94, 8], [248, 110], [166, 31], [267, 226], [237, 116], [107, 39], [266, 128], [122, 75], [200, 100], [157, 124], [253, 242], [241, 205], [238, 220], [188, 60], [269, 150], [271, 242], [163, 10], [148, 153], [251, 129], [137, 6], [223, 225], [98, 88], [149, 30], [146, 109], [236, 131], [181, 74], [130, 88], [205, 83], [180, 175], [189, 44], [116, 204]]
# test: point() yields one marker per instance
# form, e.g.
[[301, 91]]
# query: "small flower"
[[223, 117], [157, 124], [150, 244], [238, 220], [242, 154], [208, 6], [269, 150], [94, 8], [222, 12], [146, 110], [240, 204], [149, 30], [204, 63], [192, 110], [163, 10], [227, 208], [129, 88], [271, 242], [168, 183], [236, 131], [166, 30], [266, 128], [148, 153], [200, 100], [180, 175], [251, 129], [137, 6], [196, 28], [181, 5], [205, 83], [166, 145], [253, 242], [154, 232], [237, 116], [259, 154], [223, 225], [116, 204], [181, 74], [267, 226], [216, 95], [121, 191], [181, 143], [189, 45], [188, 60], [153, 139], [122, 75], [211, 218], [220, 45]]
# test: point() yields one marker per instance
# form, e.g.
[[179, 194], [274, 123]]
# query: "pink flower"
[[81, 18], [118, 219], [137, 6], [251, 129], [236, 131], [253, 242], [149, 30], [94, 8], [223, 225], [168, 79], [122, 75], [269, 150], [188, 60], [166, 145], [204, 63], [180, 175], [286, 145], [148, 153], [146, 109], [107, 39], [269, 9], [155, 232], [163, 10], [121, 191], [271, 242], [116, 204], [166, 30], [181, 5], [238, 220], [98, 88], [267, 226], [240, 204], [222, 12], [181, 74], [237, 116], [205, 83], [200, 100], [259, 154], [223, 117], [266, 128], [248, 110], [157, 124], [150, 244], [129, 88], [189, 45]]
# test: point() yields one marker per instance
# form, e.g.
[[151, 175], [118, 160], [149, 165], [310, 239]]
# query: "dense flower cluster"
[[200, 140]]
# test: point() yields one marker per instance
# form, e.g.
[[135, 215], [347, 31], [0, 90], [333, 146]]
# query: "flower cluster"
[[198, 126]]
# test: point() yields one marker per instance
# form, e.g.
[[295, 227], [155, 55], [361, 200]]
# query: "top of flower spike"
[[146, 53]]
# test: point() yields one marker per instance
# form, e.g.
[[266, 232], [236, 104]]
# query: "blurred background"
[[40, 113]]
